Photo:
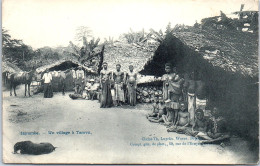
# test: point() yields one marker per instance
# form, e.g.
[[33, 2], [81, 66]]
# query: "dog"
[[28, 147]]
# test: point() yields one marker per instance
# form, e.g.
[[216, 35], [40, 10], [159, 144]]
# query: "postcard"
[[130, 82]]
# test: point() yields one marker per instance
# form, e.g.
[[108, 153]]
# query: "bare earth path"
[[112, 135]]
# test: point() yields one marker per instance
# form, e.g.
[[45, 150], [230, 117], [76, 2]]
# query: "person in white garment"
[[80, 80], [47, 90]]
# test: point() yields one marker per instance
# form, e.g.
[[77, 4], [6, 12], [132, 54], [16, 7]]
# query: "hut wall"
[[235, 95], [69, 84]]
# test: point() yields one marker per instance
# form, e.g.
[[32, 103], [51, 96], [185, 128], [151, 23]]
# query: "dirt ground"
[[111, 135]]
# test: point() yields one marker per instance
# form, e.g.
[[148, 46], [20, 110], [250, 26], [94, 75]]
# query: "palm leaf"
[[96, 42]]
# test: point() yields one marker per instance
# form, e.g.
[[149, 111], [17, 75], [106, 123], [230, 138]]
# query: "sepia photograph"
[[130, 82]]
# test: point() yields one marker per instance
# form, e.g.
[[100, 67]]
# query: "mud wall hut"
[[228, 61], [65, 68]]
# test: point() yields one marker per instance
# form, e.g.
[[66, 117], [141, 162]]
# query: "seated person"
[[155, 109], [160, 109], [217, 125], [77, 96], [199, 126], [87, 87], [92, 90], [182, 121], [168, 119]]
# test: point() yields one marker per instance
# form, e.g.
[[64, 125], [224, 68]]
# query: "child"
[[97, 82], [155, 109], [168, 119], [183, 116], [199, 126], [159, 108], [182, 121]]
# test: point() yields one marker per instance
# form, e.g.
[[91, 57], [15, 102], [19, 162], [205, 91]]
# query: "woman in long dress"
[[131, 86], [106, 98]]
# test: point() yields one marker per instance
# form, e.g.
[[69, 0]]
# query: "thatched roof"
[[232, 51], [9, 67], [127, 54], [245, 12], [66, 64]]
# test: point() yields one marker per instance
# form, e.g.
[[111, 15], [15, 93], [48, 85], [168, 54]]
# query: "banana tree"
[[88, 50], [135, 37]]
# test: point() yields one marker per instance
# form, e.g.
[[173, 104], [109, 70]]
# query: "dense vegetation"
[[26, 58]]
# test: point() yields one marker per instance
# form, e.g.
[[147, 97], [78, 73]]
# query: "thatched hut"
[[8, 68], [66, 67], [228, 61]]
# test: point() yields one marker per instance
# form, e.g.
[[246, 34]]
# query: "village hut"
[[136, 54], [228, 61], [66, 69], [10, 67]]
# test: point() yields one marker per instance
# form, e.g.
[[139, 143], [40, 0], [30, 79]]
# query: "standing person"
[[74, 79], [47, 78], [201, 93], [80, 82], [171, 94], [184, 89], [62, 77], [118, 77], [131, 77], [105, 97], [190, 85]]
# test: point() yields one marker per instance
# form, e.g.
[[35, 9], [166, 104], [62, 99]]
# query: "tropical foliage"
[[15, 51]]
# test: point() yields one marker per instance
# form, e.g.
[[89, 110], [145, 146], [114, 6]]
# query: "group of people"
[[182, 107], [117, 87], [111, 88]]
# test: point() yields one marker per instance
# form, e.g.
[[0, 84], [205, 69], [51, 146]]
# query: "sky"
[[53, 23]]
